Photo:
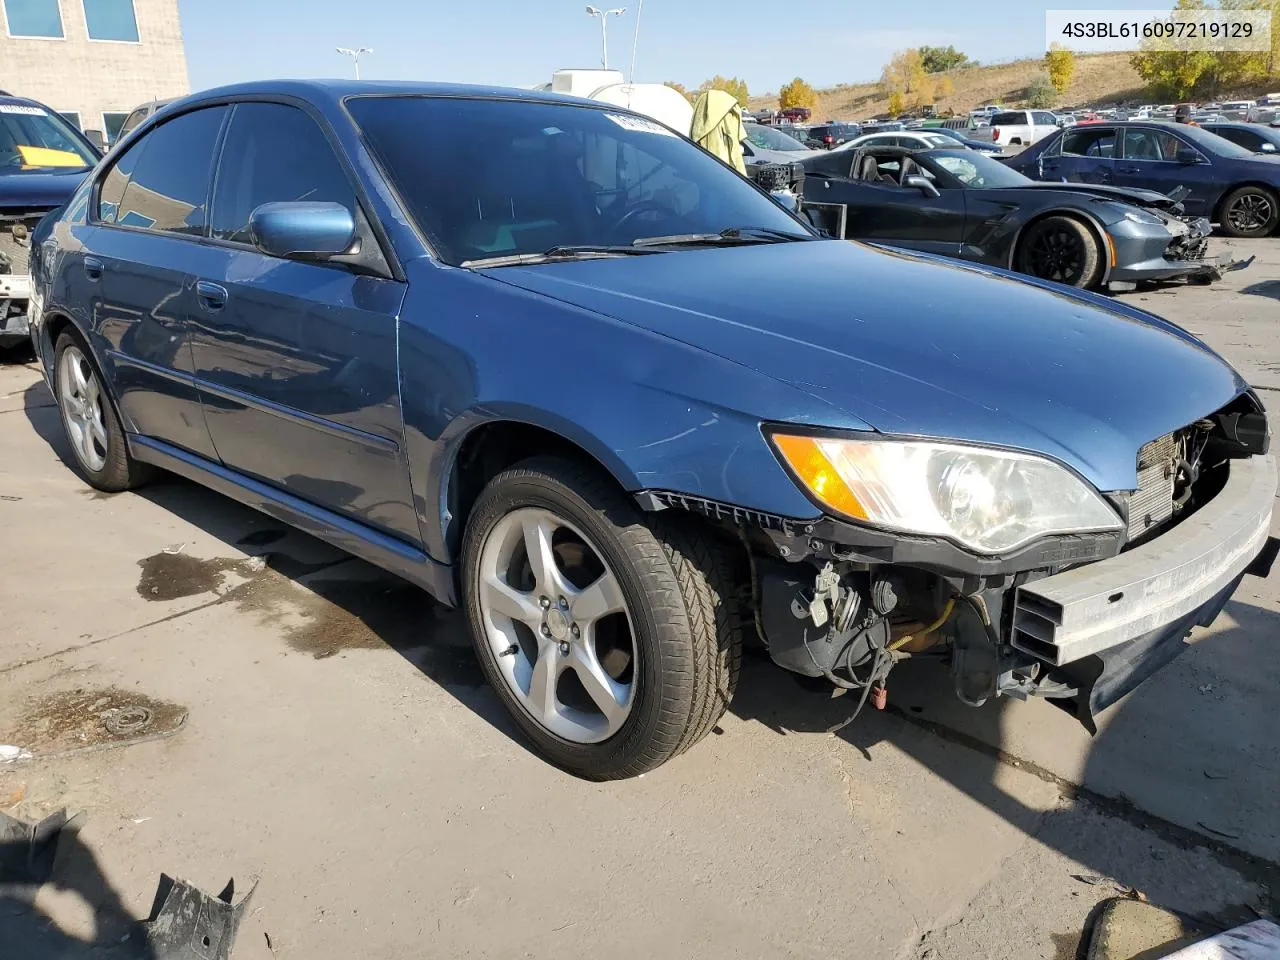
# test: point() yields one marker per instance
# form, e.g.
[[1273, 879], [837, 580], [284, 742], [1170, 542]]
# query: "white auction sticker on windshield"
[[639, 124], [21, 110]]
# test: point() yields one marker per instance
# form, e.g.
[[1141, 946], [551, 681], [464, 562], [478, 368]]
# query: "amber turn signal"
[[805, 457]]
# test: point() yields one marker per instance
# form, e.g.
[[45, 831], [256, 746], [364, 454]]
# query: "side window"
[[1245, 138], [1089, 142], [169, 184], [1150, 145], [1044, 119], [273, 153]]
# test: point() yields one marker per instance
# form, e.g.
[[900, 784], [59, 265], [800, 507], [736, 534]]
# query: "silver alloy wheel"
[[80, 398], [553, 613]]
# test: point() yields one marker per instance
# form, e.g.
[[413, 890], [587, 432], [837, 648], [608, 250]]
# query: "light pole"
[[355, 55], [604, 30]]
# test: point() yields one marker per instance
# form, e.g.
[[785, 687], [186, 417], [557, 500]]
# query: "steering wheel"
[[638, 210]]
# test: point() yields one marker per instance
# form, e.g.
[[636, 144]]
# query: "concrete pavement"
[[338, 745]]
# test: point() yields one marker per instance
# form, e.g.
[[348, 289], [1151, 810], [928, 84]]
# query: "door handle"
[[93, 268], [211, 295], [1128, 169]]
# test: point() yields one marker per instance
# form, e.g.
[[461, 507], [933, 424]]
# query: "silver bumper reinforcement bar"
[[1092, 608]]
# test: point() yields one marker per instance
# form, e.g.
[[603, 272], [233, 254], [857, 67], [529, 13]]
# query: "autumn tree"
[[1170, 72], [797, 93], [1060, 64], [905, 75], [895, 104], [939, 59], [679, 88], [730, 85]]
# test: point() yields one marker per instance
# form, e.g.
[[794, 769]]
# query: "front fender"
[[655, 413]]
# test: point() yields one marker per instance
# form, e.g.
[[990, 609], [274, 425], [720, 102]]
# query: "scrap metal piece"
[[27, 850], [187, 924]]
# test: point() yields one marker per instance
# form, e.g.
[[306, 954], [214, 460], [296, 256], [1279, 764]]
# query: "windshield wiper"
[[577, 251], [728, 237]]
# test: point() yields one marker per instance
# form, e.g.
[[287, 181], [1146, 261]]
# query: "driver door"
[[906, 216]]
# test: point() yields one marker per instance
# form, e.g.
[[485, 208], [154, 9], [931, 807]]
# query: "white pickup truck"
[[1021, 128]]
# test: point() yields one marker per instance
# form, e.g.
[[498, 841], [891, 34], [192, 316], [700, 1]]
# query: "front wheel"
[[1250, 212], [609, 637], [1060, 249]]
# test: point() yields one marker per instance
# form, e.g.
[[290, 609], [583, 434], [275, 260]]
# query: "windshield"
[[531, 177], [33, 140], [936, 139], [977, 171], [767, 138]]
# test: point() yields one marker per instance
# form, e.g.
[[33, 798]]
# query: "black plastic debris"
[[27, 850], [187, 924]]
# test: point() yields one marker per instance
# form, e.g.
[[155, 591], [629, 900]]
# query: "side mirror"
[[923, 184], [303, 229], [95, 137], [1186, 156]]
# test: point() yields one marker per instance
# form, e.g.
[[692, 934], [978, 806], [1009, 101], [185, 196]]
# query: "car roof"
[[12, 101], [338, 90]]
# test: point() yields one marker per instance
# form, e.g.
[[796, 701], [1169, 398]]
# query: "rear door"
[[296, 361], [1085, 154], [150, 217]]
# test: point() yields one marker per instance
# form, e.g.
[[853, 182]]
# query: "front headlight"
[[1142, 216], [991, 501]]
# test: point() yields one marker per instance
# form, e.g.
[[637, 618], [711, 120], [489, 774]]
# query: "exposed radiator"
[[1152, 503]]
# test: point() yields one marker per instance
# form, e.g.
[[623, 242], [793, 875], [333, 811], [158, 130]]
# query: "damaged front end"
[[1079, 618], [1165, 245]]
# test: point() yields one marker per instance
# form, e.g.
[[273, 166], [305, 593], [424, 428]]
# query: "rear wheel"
[[1250, 212], [89, 420], [610, 637], [1060, 249]]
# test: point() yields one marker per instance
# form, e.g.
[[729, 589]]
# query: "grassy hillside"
[[1102, 78]]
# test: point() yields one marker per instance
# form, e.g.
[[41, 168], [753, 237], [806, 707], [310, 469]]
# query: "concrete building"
[[92, 60]]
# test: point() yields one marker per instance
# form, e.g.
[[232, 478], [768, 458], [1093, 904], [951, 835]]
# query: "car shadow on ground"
[[1265, 288]]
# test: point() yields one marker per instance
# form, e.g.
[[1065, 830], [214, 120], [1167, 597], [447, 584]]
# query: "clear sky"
[[520, 42]]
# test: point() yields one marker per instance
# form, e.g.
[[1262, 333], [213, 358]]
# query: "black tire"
[[677, 585], [119, 471], [1249, 212], [1061, 249]]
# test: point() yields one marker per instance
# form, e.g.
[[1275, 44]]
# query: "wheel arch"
[[1094, 225], [483, 448]]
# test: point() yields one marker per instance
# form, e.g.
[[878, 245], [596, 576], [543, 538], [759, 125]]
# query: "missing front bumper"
[[1101, 605]]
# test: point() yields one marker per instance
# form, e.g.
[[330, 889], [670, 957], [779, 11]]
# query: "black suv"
[[828, 135]]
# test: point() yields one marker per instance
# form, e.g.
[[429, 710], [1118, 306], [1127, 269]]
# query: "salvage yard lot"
[[322, 727]]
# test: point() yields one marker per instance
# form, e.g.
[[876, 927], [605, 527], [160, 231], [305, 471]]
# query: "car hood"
[[914, 347], [24, 191], [1134, 195]]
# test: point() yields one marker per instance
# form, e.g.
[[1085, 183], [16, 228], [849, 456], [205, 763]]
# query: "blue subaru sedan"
[[580, 378]]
